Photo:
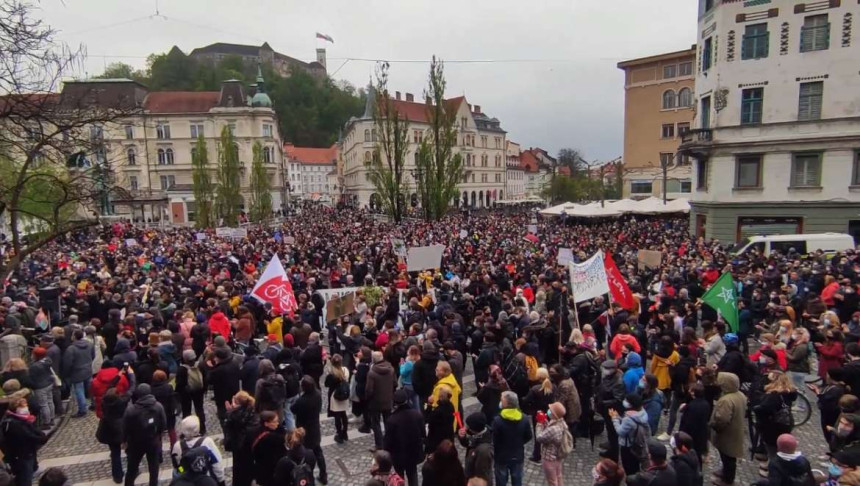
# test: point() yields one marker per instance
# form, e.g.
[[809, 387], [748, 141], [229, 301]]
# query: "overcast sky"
[[554, 82]]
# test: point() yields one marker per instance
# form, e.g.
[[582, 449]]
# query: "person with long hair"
[[337, 378], [490, 394], [268, 447], [443, 466], [607, 473], [773, 412], [537, 400], [297, 456], [241, 425]]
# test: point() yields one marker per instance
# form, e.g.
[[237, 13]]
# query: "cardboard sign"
[[649, 259], [565, 256], [236, 233], [424, 257], [340, 306], [398, 246], [131, 242], [329, 294]]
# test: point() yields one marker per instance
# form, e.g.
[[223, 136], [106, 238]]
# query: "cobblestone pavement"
[[75, 449]]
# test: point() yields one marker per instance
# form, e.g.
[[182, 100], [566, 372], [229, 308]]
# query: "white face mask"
[[23, 411]]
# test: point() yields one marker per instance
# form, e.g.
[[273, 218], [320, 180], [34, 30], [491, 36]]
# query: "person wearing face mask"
[[843, 468], [851, 328], [477, 438], [828, 399], [846, 434], [633, 433], [552, 433], [652, 401], [22, 440], [830, 353], [607, 473], [609, 396], [767, 341], [852, 366], [773, 412], [789, 466], [798, 360]]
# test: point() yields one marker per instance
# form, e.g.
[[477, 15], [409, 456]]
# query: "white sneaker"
[[664, 437]]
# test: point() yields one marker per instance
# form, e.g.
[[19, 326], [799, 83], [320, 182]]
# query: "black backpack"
[[149, 424], [195, 460], [274, 392], [341, 391], [303, 475], [291, 378]]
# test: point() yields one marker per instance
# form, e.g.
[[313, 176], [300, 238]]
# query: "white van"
[[827, 242]]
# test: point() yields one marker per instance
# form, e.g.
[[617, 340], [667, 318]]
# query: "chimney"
[[397, 95], [410, 97], [477, 108], [321, 57]]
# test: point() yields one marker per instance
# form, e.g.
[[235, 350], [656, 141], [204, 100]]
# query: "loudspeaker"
[[49, 298]]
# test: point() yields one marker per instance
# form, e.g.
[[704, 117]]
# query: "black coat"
[[362, 370], [268, 448], [163, 392], [110, 431], [440, 420], [248, 374], [653, 476], [311, 362], [22, 438], [224, 378], [687, 467], [404, 434], [509, 438], [694, 421], [766, 411], [788, 473], [307, 411], [424, 374]]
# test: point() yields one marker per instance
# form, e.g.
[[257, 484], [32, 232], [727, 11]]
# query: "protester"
[[241, 426], [554, 436], [142, 425], [727, 423], [22, 440], [658, 472], [633, 432], [443, 466], [511, 432], [404, 434], [477, 438], [190, 438], [788, 466], [379, 393], [307, 411]]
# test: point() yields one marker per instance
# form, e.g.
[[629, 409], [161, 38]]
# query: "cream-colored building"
[[515, 176], [776, 135], [309, 169], [480, 141], [150, 153], [658, 108]]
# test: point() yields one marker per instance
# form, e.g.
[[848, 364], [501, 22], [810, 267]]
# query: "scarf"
[[788, 457]]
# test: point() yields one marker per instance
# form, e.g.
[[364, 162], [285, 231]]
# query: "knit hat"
[[609, 364], [476, 421], [142, 390], [289, 340], [400, 397], [786, 443], [428, 347], [222, 353], [272, 338], [39, 353], [656, 450], [189, 355]]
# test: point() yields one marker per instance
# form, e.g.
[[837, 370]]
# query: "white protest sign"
[[131, 242], [463, 233], [565, 256], [223, 232], [201, 236], [424, 257], [328, 294], [290, 240], [588, 279], [240, 232], [532, 228]]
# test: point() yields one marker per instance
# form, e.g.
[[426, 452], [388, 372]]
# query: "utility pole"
[[664, 164]]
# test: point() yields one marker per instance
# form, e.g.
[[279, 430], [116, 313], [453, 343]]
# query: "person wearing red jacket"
[[110, 376], [620, 339], [767, 342], [219, 323]]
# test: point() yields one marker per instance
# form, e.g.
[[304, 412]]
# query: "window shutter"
[[797, 172], [805, 39], [765, 45], [822, 36], [803, 105], [812, 170]]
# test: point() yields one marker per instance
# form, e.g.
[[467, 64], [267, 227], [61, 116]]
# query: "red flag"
[[618, 287], [275, 288]]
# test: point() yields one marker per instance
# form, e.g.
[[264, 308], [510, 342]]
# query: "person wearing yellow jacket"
[[275, 326], [446, 378], [662, 361]]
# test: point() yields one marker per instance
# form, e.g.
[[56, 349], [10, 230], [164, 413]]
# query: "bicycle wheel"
[[802, 410]]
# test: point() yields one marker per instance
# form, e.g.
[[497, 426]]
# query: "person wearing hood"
[[123, 353], [404, 434], [844, 468], [224, 377], [379, 393], [445, 377], [270, 390], [622, 338], [511, 432], [167, 351], [714, 347], [191, 437], [163, 392], [424, 372], [78, 369], [685, 461], [789, 466], [727, 422], [631, 428], [143, 423], [42, 382], [634, 372], [22, 440], [610, 395], [477, 438], [220, 325]]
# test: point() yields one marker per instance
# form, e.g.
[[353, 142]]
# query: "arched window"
[[373, 134], [161, 158], [169, 154], [685, 98], [132, 156], [668, 99], [193, 153], [367, 157], [366, 135]]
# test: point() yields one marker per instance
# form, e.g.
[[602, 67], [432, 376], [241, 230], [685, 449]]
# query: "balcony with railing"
[[697, 135], [696, 143]]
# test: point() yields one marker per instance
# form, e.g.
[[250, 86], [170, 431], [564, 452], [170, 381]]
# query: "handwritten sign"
[[588, 279]]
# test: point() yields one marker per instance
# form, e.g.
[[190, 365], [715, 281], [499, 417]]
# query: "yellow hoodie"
[[451, 383]]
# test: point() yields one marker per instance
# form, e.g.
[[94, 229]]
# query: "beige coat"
[[727, 420]]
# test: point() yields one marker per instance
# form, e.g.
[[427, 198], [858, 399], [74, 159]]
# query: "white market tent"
[[651, 205]]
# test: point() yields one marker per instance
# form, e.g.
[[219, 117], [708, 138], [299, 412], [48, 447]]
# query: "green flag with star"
[[723, 297]]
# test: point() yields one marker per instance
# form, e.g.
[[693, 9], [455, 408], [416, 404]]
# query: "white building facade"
[[309, 169], [515, 176], [776, 135], [480, 142]]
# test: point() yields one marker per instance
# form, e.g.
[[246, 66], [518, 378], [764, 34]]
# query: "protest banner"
[[649, 259], [588, 279], [398, 246], [329, 294], [423, 257]]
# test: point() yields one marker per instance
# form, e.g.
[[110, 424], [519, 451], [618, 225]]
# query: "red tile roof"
[[311, 155], [181, 101], [528, 161], [417, 111]]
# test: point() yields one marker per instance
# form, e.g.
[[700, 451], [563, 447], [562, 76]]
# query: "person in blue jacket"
[[634, 372]]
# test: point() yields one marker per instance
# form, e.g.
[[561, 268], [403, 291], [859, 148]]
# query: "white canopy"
[[592, 211], [557, 210], [651, 205]]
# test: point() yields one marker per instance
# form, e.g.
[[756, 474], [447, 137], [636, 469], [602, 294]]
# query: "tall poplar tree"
[[204, 189], [228, 197], [261, 187]]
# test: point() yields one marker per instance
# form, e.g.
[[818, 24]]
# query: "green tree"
[[571, 189], [122, 70], [261, 187], [573, 159], [204, 190], [228, 197], [387, 167], [439, 170]]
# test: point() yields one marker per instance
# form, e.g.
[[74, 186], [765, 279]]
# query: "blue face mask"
[[834, 471]]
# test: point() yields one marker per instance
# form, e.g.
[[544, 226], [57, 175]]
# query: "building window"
[[367, 157], [641, 187], [806, 170], [196, 130], [373, 135], [706, 54], [685, 98], [267, 155], [683, 128], [132, 183], [815, 33], [366, 135], [682, 186], [809, 104], [702, 174], [162, 131], [473, 177], [755, 43], [132, 156], [267, 130], [167, 182], [855, 175], [666, 159], [668, 99], [752, 100], [670, 71], [667, 130], [483, 141], [129, 132], [748, 171], [685, 69], [483, 177]]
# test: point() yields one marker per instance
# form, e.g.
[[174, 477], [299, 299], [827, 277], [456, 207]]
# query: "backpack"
[[195, 378], [783, 416], [273, 391], [149, 424], [566, 442], [639, 445], [341, 392], [291, 378], [303, 475], [195, 460]]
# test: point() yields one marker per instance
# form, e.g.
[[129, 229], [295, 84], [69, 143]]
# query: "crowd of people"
[[149, 324]]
